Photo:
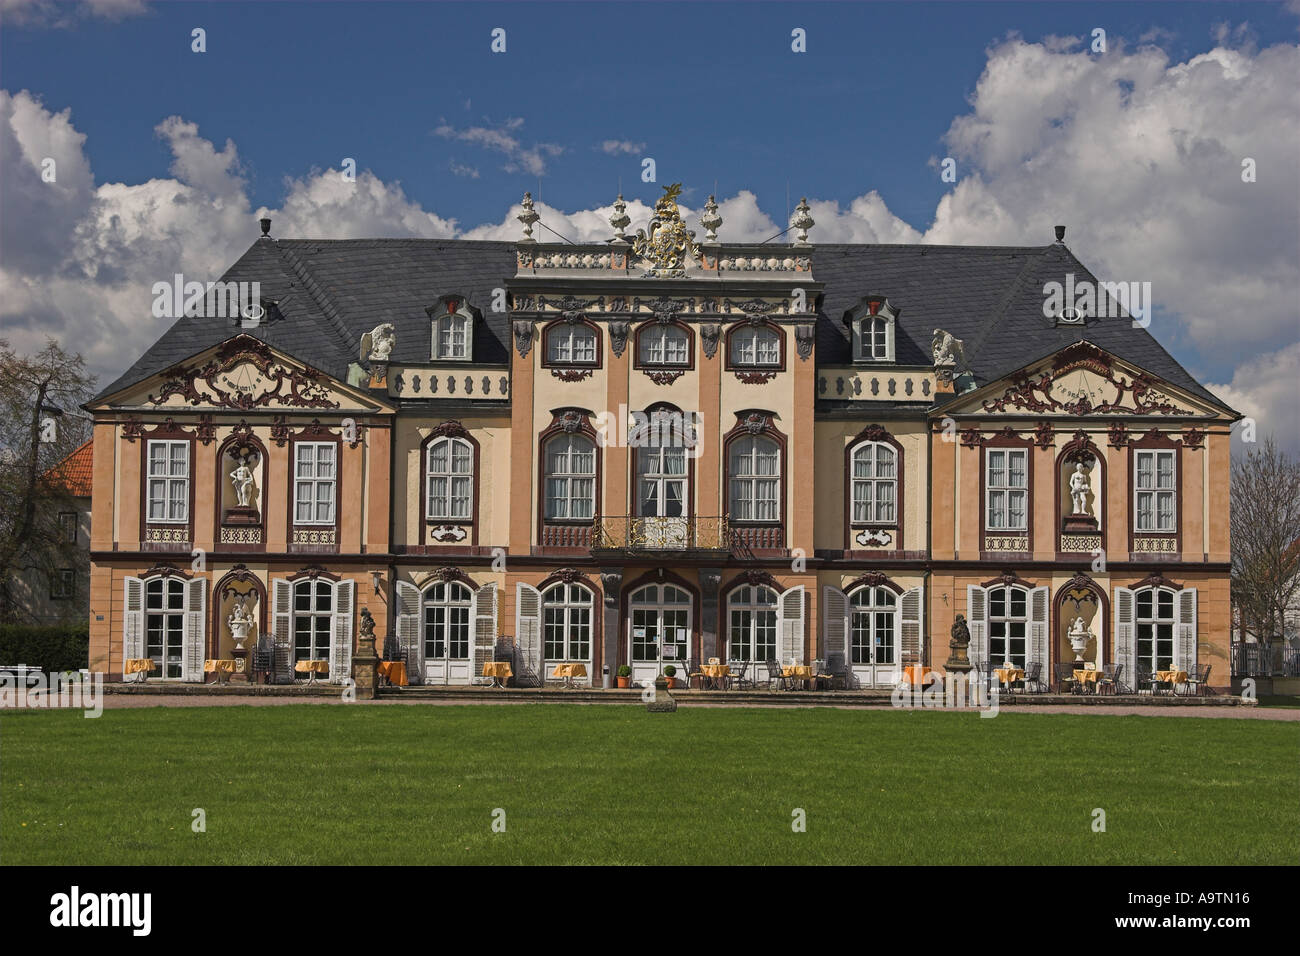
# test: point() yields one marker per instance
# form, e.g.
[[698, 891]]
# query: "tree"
[[40, 425], [1265, 540]]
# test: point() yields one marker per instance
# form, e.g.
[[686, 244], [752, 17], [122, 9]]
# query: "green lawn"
[[594, 784]]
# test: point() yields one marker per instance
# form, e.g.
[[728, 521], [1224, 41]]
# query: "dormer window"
[[453, 331], [872, 324]]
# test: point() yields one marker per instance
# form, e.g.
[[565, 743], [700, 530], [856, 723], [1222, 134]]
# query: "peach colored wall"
[[1220, 479], [943, 483], [378, 483], [1045, 521], [522, 465], [802, 452], [1191, 509], [969, 463]]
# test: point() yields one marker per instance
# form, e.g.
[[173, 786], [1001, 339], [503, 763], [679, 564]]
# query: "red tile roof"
[[74, 472]]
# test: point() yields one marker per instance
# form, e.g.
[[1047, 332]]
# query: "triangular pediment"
[[1083, 380], [244, 374]]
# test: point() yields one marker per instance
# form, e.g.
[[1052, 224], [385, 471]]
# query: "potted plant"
[[670, 672], [624, 675]]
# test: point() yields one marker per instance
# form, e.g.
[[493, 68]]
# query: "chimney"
[[1060, 233], [266, 228]]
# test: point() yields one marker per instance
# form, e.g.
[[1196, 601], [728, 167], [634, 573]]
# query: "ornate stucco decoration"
[[571, 422], [449, 429], [755, 423], [665, 376], [1084, 381], [804, 337], [668, 244], [1193, 437], [618, 332], [448, 532], [523, 329], [873, 538], [1044, 435], [244, 374], [710, 333], [571, 374]]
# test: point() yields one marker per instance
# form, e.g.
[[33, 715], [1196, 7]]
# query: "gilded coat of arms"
[[668, 243]]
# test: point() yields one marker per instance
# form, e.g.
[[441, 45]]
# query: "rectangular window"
[[62, 585], [68, 526], [315, 477], [1006, 484], [1154, 484], [453, 337], [169, 481]]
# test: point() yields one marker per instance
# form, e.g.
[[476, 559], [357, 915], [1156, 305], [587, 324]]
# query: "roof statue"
[[378, 343], [669, 243]]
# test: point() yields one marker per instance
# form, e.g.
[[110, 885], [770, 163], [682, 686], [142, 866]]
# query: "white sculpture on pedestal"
[[242, 478], [1079, 635], [240, 622], [1080, 487]]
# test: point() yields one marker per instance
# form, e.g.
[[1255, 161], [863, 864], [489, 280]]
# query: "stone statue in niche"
[[240, 622], [242, 479], [1080, 488]]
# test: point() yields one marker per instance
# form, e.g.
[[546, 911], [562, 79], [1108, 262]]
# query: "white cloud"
[[1266, 389], [48, 13], [614, 147], [461, 169], [501, 139]]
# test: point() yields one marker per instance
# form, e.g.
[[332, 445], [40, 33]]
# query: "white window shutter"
[[1125, 637], [791, 625], [977, 619], [341, 633], [196, 595], [528, 635], [908, 626], [1185, 631], [484, 612], [889, 344], [282, 628], [132, 620], [408, 631], [857, 339], [1039, 604], [835, 627]]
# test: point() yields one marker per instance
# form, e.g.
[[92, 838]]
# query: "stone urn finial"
[[528, 217], [620, 221], [802, 221], [711, 220]]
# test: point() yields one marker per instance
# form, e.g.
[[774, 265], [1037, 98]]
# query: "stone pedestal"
[[241, 515], [663, 702], [365, 668], [240, 676], [1084, 523], [957, 661]]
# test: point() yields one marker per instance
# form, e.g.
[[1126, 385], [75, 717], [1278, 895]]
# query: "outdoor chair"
[[1034, 678], [774, 679], [837, 671], [1198, 683], [1065, 681], [1110, 679], [693, 673], [739, 675], [1146, 680]]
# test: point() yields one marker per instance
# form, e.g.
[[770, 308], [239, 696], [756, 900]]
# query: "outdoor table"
[[1172, 678], [222, 668], [312, 668], [394, 671], [914, 674], [799, 672], [499, 671], [715, 673], [1085, 677], [1009, 675], [144, 666], [569, 672]]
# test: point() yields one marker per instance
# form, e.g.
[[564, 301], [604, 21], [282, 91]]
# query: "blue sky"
[[1137, 149]]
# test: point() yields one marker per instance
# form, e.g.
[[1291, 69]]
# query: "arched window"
[[570, 478], [875, 483], [752, 624], [659, 629], [447, 606], [872, 323], [1155, 618], [663, 345], [164, 625], [313, 617], [571, 343], [566, 617], [1008, 625], [449, 482], [871, 626], [755, 486], [452, 333], [755, 347]]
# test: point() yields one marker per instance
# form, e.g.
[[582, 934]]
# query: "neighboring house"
[[62, 595], [831, 475]]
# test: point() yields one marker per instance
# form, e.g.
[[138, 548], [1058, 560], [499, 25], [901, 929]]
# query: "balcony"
[[632, 533]]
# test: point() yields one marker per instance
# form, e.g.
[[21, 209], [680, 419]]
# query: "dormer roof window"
[[872, 324], [453, 330]]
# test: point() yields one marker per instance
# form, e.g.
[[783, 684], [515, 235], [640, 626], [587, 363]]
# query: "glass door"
[[661, 497]]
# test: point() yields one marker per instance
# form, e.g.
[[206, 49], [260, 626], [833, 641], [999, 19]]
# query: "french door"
[[659, 632], [448, 654], [661, 496]]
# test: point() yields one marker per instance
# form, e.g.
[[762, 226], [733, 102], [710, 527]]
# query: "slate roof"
[[330, 292]]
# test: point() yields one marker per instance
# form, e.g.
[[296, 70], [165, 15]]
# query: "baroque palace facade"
[[657, 449]]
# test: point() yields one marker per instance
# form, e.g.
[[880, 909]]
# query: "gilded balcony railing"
[[638, 533]]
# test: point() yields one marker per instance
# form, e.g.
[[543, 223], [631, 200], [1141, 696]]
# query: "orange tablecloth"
[[915, 673], [1172, 677], [136, 665], [499, 669], [1087, 676], [569, 670], [798, 671], [1009, 675], [312, 667], [395, 671], [215, 666], [716, 670]]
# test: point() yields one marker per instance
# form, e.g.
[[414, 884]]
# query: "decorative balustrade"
[[639, 533]]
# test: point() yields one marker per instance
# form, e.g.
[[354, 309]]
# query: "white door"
[[447, 634], [661, 497], [873, 650], [659, 630]]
